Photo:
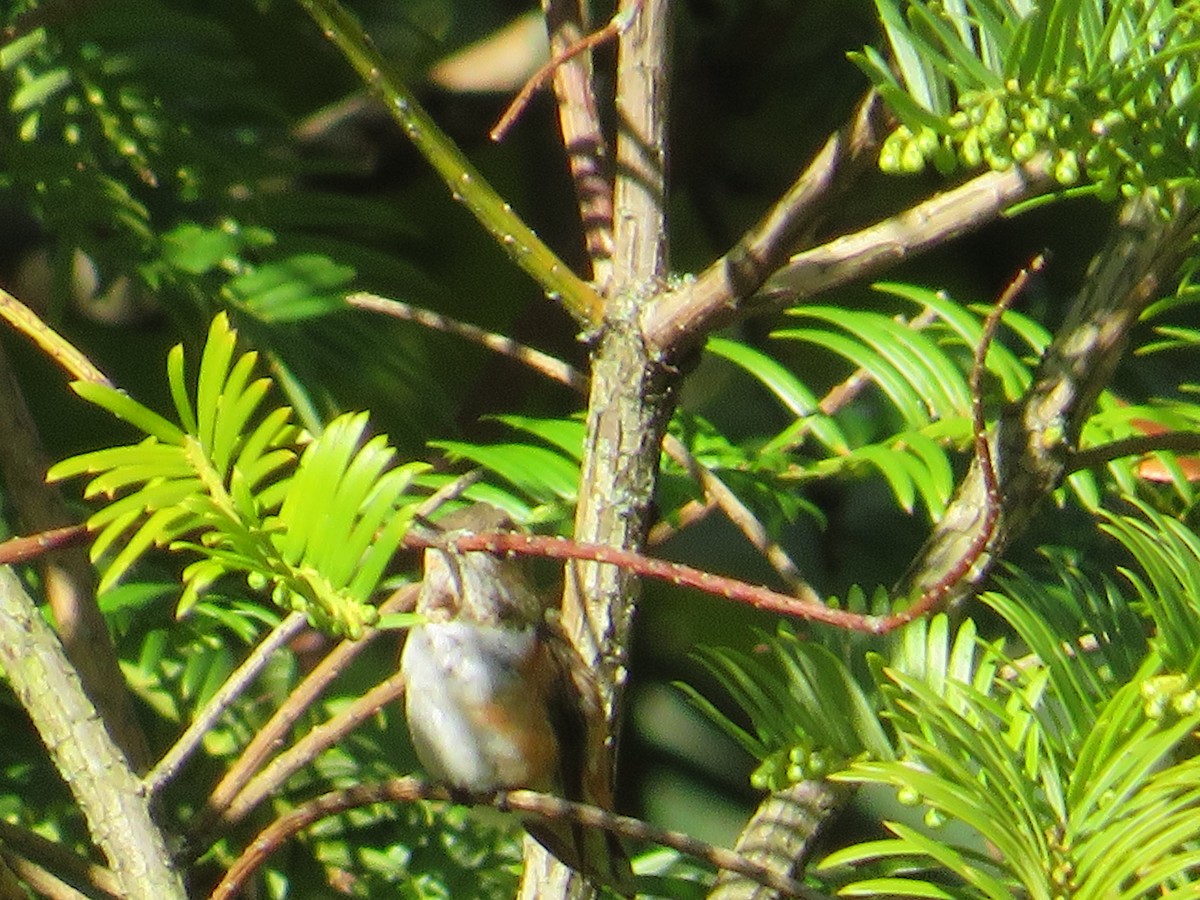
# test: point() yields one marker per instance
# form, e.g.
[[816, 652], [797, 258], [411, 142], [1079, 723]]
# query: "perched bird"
[[497, 699]]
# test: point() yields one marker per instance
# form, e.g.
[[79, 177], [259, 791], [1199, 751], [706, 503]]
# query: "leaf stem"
[[464, 180]]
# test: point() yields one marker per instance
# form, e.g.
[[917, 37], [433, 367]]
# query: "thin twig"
[[583, 137], [538, 79], [245, 674], [528, 803], [272, 778], [272, 735], [53, 344], [544, 363], [993, 502], [766, 246], [807, 606], [718, 494], [1174, 441], [22, 549]]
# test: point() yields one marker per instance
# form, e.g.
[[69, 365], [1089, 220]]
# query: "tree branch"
[[686, 316], [108, 792], [1032, 440], [781, 834], [628, 408], [528, 803]]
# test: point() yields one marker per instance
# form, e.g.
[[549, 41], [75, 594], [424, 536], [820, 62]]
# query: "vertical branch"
[[629, 404], [583, 140], [109, 794], [67, 577], [640, 252], [629, 401]]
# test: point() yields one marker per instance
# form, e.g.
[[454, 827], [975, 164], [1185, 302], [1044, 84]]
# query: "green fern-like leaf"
[[315, 520], [1075, 764], [1083, 82]]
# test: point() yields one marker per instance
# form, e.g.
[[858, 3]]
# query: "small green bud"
[[995, 122], [889, 156], [1024, 147], [912, 160], [1036, 120], [1066, 169], [908, 796], [927, 141], [970, 153]]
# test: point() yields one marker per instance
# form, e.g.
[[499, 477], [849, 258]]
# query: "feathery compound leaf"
[[542, 474], [320, 539], [808, 711], [214, 367], [1101, 91], [1169, 553]]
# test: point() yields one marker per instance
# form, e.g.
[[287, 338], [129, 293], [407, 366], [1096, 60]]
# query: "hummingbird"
[[496, 697]]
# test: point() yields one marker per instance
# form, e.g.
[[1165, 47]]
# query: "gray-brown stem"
[[630, 400], [108, 792], [1034, 437], [781, 834]]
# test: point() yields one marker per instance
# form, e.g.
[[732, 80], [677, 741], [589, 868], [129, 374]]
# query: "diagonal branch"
[[236, 684], [107, 791], [686, 316], [528, 803], [463, 179], [1033, 438]]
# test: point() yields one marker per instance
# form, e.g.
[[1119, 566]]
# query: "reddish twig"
[[936, 593], [804, 607], [507, 542], [528, 803], [609, 32], [22, 549]]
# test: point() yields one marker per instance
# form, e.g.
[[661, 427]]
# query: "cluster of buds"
[[1086, 133], [802, 762], [1173, 695]]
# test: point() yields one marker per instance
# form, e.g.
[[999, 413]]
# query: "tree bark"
[[109, 794], [630, 403]]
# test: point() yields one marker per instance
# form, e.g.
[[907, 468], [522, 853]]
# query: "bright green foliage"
[[314, 520], [1105, 90], [1068, 772]]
